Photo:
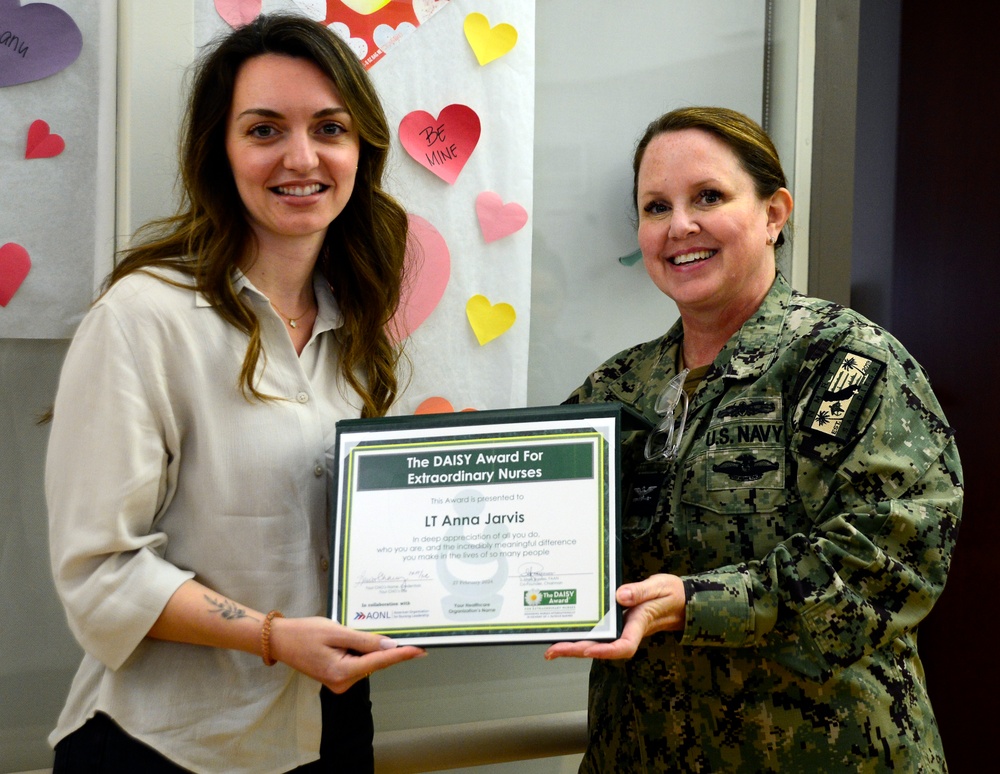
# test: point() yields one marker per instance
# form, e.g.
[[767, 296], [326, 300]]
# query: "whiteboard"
[[603, 72]]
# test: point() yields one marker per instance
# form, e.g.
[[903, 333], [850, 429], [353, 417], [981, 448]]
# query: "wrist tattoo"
[[226, 608]]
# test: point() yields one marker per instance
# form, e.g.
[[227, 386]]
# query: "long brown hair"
[[363, 253], [744, 136]]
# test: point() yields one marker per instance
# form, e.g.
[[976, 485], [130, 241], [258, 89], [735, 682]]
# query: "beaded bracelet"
[[265, 638]]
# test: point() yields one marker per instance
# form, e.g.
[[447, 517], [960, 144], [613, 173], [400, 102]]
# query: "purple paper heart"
[[36, 41]]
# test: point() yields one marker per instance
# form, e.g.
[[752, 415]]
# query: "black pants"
[[99, 746]]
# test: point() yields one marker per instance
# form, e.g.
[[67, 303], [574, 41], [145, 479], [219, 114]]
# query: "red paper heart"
[[496, 219], [41, 143], [444, 144], [14, 267], [428, 267]]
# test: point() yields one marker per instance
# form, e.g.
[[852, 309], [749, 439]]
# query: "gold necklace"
[[292, 321]]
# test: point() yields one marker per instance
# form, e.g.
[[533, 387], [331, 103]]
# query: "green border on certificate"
[[479, 528]]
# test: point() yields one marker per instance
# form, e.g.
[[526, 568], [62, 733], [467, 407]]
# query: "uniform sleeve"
[[107, 478], [879, 478], [586, 392]]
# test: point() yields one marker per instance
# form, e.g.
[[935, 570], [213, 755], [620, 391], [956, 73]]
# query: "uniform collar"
[[748, 353], [753, 348]]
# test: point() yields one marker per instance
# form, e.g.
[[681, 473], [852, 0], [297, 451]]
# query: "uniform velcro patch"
[[842, 393]]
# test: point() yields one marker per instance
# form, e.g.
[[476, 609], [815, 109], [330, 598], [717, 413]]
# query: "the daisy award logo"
[[535, 597]]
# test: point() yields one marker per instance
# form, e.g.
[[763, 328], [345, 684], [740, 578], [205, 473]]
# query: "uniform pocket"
[[734, 504]]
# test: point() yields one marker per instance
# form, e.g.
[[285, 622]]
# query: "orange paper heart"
[[438, 405]]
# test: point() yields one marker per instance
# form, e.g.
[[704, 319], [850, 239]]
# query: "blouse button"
[[325, 564], [318, 471], [302, 397]]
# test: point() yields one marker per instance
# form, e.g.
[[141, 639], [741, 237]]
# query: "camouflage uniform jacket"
[[812, 513]]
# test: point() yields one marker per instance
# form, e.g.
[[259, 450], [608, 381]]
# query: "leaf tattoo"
[[226, 608]]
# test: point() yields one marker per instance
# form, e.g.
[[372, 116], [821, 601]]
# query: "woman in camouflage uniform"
[[789, 522]]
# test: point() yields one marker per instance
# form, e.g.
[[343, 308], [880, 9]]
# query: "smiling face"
[[703, 230], [293, 150]]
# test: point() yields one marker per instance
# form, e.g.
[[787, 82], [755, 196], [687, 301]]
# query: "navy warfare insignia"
[[745, 467], [750, 408], [841, 394]]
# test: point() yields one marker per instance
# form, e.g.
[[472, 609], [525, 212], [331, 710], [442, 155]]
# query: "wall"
[[875, 160], [925, 264], [945, 277]]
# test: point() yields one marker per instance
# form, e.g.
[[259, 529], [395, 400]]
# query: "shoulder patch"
[[841, 394]]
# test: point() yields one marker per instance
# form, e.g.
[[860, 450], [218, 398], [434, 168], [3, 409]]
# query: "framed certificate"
[[479, 528]]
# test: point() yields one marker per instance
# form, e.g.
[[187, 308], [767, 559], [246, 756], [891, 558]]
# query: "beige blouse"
[[160, 470]]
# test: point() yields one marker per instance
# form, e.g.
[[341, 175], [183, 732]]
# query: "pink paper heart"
[[496, 219], [42, 144], [428, 266], [237, 13], [14, 267], [444, 144]]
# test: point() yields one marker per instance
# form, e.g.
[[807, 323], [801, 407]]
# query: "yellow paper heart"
[[488, 43], [489, 320], [365, 7]]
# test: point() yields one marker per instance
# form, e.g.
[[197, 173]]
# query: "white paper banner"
[[57, 147], [466, 62]]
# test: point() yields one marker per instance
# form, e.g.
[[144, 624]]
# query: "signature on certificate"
[[534, 571], [402, 580]]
